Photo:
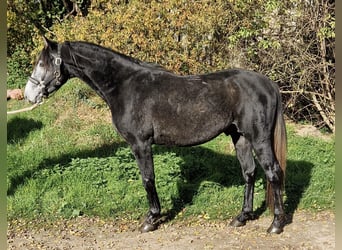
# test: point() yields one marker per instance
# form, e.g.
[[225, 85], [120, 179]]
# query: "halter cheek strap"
[[58, 63], [56, 74]]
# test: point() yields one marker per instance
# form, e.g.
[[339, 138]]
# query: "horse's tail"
[[280, 148]]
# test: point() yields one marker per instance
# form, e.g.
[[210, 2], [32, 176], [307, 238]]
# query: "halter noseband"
[[56, 74]]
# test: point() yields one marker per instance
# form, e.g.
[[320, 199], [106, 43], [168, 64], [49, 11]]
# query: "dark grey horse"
[[151, 105]]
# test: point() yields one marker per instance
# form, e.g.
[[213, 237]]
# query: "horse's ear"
[[46, 42], [49, 43]]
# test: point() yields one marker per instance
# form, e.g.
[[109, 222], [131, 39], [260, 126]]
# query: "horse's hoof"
[[278, 224], [275, 230], [237, 223], [148, 227], [242, 218]]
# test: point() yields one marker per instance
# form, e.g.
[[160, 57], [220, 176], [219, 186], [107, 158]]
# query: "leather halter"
[[56, 74]]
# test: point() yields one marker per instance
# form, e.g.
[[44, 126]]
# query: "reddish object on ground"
[[16, 94]]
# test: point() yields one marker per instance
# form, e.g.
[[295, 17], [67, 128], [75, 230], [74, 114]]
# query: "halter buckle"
[[57, 74], [58, 61]]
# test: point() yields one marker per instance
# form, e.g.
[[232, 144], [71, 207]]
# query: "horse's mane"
[[144, 64], [148, 65]]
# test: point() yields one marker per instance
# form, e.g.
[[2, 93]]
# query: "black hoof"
[[151, 223], [275, 230], [237, 223], [148, 227], [278, 224], [242, 218]]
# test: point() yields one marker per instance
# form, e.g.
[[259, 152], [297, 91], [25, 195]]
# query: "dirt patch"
[[307, 130], [307, 231]]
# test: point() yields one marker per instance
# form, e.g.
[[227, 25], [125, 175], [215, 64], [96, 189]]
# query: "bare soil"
[[307, 231], [311, 131]]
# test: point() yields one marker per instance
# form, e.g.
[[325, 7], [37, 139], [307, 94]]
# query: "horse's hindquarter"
[[191, 110]]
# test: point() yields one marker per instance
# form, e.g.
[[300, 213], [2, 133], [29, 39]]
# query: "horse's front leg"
[[143, 154]]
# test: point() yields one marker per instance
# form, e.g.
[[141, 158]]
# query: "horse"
[[152, 105]]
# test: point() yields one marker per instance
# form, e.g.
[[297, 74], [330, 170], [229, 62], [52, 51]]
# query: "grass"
[[65, 159]]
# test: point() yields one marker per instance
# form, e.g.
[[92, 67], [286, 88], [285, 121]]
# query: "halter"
[[56, 74]]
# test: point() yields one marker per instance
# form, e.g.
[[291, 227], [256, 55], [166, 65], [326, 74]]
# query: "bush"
[[19, 48], [291, 43], [175, 34], [18, 69]]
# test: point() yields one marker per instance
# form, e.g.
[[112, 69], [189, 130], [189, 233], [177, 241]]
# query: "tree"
[[292, 42], [26, 19]]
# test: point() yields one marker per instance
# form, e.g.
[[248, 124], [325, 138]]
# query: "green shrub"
[[18, 69], [175, 34], [292, 43]]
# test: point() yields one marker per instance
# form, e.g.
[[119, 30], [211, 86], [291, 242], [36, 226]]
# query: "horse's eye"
[[41, 64]]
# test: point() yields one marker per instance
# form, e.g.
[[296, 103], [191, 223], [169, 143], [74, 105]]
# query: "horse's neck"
[[102, 71]]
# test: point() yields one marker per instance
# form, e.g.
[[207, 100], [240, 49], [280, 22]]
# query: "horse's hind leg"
[[274, 175], [244, 154], [143, 154]]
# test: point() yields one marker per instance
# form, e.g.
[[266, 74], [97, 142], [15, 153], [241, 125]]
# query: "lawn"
[[65, 159]]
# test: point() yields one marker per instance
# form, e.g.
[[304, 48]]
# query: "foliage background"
[[292, 42]]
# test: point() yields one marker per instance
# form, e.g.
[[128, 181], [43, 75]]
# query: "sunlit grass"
[[65, 159]]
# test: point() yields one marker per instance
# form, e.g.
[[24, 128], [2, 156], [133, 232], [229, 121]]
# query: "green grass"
[[65, 159]]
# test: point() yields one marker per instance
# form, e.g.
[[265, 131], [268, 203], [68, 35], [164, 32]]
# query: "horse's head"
[[48, 74]]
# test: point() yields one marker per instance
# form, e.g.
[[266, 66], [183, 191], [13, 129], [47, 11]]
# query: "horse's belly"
[[191, 115], [189, 130]]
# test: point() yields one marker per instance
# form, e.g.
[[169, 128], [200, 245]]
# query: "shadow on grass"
[[200, 164], [103, 151], [19, 128], [298, 176]]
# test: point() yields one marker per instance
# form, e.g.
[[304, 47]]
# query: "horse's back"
[[189, 110], [194, 109]]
